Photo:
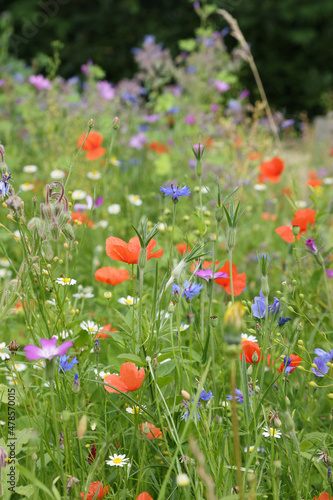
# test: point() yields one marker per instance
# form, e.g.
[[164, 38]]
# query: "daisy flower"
[[260, 187], [135, 410], [27, 186], [65, 281], [2, 422], [129, 301], [78, 194], [5, 273], [3, 355], [57, 174], [135, 199], [114, 161], [30, 169], [182, 328], [271, 432], [251, 338], [117, 460], [114, 209], [95, 175], [20, 367], [4, 262], [101, 374], [90, 326], [83, 295], [102, 224]]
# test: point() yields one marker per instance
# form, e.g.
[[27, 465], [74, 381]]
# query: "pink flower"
[[106, 91], [138, 141], [48, 350], [221, 86], [207, 274], [190, 119], [39, 82]]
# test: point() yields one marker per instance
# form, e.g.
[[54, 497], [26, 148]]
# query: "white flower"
[[107, 295], [182, 480], [2, 422], [3, 355], [117, 460], [114, 161], [135, 410], [52, 302], [129, 301], [162, 227], [64, 334], [4, 262], [182, 328], [204, 190], [225, 404], [20, 367], [328, 180], [300, 204], [102, 374], [114, 209], [260, 187], [93, 426], [40, 364], [30, 169], [5, 273], [83, 295], [251, 338], [135, 199], [103, 224], [27, 186], [251, 448], [57, 174], [65, 281], [271, 432], [78, 194], [90, 326], [95, 175]]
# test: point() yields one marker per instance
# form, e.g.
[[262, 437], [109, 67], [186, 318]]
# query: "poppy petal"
[[111, 275], [117, 382], [131, 376]]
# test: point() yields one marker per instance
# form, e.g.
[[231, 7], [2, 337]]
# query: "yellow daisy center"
[[91, 328], [273, 432], [66, 280], [128, 301], [136, 409], [117, 460]]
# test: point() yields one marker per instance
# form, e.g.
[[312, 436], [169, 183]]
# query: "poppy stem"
[[231, 280]]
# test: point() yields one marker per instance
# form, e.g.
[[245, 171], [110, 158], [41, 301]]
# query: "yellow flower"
[[234, 314]]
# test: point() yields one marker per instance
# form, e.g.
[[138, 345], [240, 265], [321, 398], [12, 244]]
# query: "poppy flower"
[[154, 433], [268, 216], [111, 275], [289, 364], [254, 156], [130, 378], [144, 496], [314, 181], [251, 351], [239, 280], [323, 496], [92, 144], [81, 217], [304, 217], [182, 248], [95, 487], [118, 249], [106, 328], [271, 170], [159, 147], [286, 234]]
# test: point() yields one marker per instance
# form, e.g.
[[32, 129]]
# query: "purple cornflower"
[[322, 358], [39, 82], [329, 273], [80, 207], [244, 94], [138, 141], [204, 396], [238, 396], [175, 192], [221, 86], [65, 365], [282, 321], [207, 274], [190, 119], [106, 91], [311, 246], [259, 306], [48, 350], [190, 289]]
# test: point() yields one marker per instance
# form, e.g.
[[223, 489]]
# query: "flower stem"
[[235, 432], [172, 234], [231, 279]]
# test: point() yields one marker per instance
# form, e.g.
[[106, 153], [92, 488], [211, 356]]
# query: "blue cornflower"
[[175, 192], [65, 365], [282, 321], [4, 184], [322, 358], [204, 396], [238, 396], [190, 290], [259, 306], [287, 365]]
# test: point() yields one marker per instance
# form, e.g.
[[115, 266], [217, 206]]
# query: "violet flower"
[[221, 86], [259, 306], [85, 67], [190, 119], [2, 82], [138, 141], [311, 246], [48, 350], [106, 91], [39, 82], [207, 274], [329, 273], [80, 207]]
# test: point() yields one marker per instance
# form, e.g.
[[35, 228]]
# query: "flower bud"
[[91, 123], [46, 212], [219, 214], [82, 428], [186, 395], [313, 384], [231, 238], [213, 320], [311, 246], [47, 251], [142, 258], [76, 384], [54, 232], [255, 357], [182, 480], [171, 307], [264, 286], [97, 347], [116, 123], [330, 395], [296, 230]]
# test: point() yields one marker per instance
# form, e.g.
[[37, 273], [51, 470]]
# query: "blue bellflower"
[[65, 365], [322, 358], [282, 321]]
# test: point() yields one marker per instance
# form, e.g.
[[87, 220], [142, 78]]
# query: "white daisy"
[[3, 355], [271, 432], [117, 460], [95, 175], [300, 204], [57, 174], [83, 295], [114, 161], [64, 334], [90, 326], [103, 224], [183, 327], [328, 180], [251, 338], [20, 367], [114, 209], [135, 199], [27, 186], [78, 194], [135, 410], [2, 422], [250, 449], [107, 295], [65, 281], [30, 169], [101, 374], [5, 273], [4, 262], [129, 301], [260, 187]]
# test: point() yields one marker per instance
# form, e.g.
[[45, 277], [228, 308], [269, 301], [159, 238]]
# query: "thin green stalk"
[[231, 278], [172, 233], [235, 432]]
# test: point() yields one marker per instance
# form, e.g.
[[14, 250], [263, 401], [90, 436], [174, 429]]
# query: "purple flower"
[[214, 107], [190, 290], [138, 141], [282, 321], [286, 363], [4, 181], [287, 123], [85, 67], [151, 118], [329, 273], [196, 5], [174, 109], [221, 86], [65, 365], [2, 82], [175, 192], [190, 119], [234, 105], [49, 349], [39, 82], [207, 274], [205, 395], [322, 358], [244, 94], [106, 91], [176, 90], [311, 246], [81, 207], [238, 396], [198, 150], [259, 306]]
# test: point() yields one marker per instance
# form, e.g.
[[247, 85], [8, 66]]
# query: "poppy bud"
[[213, 320], [219, 214], [313, 384], [186, 395], [296, 230], [255, 357], [145, 428], [115, 123]]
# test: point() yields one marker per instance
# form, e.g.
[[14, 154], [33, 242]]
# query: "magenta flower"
[[311, 246], [2, 82], [221, 86], [39, 82], [244, 94], [85, 67], [81, 207], [48, 350], [329, 273], [190, 119], [207, 274], [138, 141], [214, 107], [106, 91]]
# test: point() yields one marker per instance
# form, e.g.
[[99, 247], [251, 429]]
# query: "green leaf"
[[26, 491], [163, 164], [133, 358], [163, 381], [189, 44]]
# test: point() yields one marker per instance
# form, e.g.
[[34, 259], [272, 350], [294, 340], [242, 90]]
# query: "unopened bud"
[[142, 258], [219, 214], [182, 480], [213, 320], [116, 123], [313, 384], [330, 395], [296, 230], [82, 428], [186, 395], [91, 123], [76, 383], [231, 238], [255, 357], [171, 307], [3, 457]]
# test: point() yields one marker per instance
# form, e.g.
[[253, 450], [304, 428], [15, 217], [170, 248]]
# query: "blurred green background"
[[291, 40]]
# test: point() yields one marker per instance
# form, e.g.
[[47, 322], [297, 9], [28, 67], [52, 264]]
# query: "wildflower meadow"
[[166, 282]]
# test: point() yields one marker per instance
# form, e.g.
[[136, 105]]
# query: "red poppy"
[[93, 488], [154, 432], [130, 378], [92, 145], [271, 170], [81, 217], [238, 280], [254, 156], [286, 234], [286, 191], [313, 180], [249, 349], [183, 248], [92, 454], [111, 275], [304, 217], [106, 328], [159, 147], [144, 496], [268, 216], [295, 361], [323, 496], [118, 249]]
